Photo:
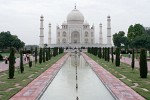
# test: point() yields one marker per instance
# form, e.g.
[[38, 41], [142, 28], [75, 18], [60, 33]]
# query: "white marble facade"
[[75, 30]]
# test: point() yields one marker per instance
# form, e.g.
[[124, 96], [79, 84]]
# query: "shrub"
[[43, 54], [1, 57], [112, 55], [132, 63], [21, 62], [143, 64], [11, 63], [108, 57], [40, 56], [117, 57], [35, 55]]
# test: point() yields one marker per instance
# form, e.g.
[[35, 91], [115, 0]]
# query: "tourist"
[[6, 60]]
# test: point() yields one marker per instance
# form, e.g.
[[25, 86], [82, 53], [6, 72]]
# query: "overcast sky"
[[22, 17]]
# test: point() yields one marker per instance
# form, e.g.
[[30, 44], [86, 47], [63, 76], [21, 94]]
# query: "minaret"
[[100, 34], [41, 45], [49, 35], [109, 31]]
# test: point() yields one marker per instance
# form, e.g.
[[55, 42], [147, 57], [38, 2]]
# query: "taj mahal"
[[76, 32]]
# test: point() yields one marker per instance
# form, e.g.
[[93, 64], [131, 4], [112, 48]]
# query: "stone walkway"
[[128, 61], [34, 90], [119, 90], [4, 67]]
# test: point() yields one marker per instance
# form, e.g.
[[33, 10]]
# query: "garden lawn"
[[9, 87], [126, 75]]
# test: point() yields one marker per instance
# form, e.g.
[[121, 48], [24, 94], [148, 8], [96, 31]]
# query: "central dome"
[[75, 15]]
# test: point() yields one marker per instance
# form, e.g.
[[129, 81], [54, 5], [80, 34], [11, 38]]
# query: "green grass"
[[7, 54], [22, 79], [126, 70]]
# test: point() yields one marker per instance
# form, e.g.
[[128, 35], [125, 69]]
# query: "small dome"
[[86, 23], [64, 23], [75, 15]]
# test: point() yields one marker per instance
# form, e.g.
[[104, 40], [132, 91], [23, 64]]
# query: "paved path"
[[120, 90], [4, 67], [128, 61], [34, 90]]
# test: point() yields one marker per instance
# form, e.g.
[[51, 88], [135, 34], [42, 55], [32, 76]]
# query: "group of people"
[[26, 57]]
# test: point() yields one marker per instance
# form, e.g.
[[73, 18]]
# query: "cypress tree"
[[112, 55], [21, 62], [108, 57], [143, 64], [117, 57], [46, 54], [132, 64], [40, 56], [49, 53], [11, 63], [43, 54], [105, 54], [99, 53], [35, 55]]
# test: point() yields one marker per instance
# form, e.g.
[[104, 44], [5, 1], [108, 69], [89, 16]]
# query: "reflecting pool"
[[76, 79]]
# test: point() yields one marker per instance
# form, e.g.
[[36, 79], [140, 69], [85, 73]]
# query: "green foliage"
[[21, 62], [55, 51], [112, 55], [132, 63], [8, 40], [142, 41], [143, 64], [11, 63], [108, 53], [105, 54], [40, 55], [136, 30], [120, 39], [43, 54], [1, 57], [35, 55], [100, 52], [47, 54], [117, 57]]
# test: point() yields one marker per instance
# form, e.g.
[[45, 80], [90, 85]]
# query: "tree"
[[43, 54], [100, 53], [105, 54], [120, 39], [7, 40], [21, 62], [136, 30], [117, 57], [40, 56], [143, 64], [112, 55], [11, 63], [132, 63], [108, 57], [35, 55], [47, 54], [142, 41]]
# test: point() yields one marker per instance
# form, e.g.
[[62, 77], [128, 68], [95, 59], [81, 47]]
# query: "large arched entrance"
[[75, 37]]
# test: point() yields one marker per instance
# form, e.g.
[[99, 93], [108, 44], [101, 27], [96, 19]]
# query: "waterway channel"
[[76, 81]]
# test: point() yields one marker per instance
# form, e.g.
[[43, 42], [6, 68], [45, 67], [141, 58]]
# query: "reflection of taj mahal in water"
[[76, 32]]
